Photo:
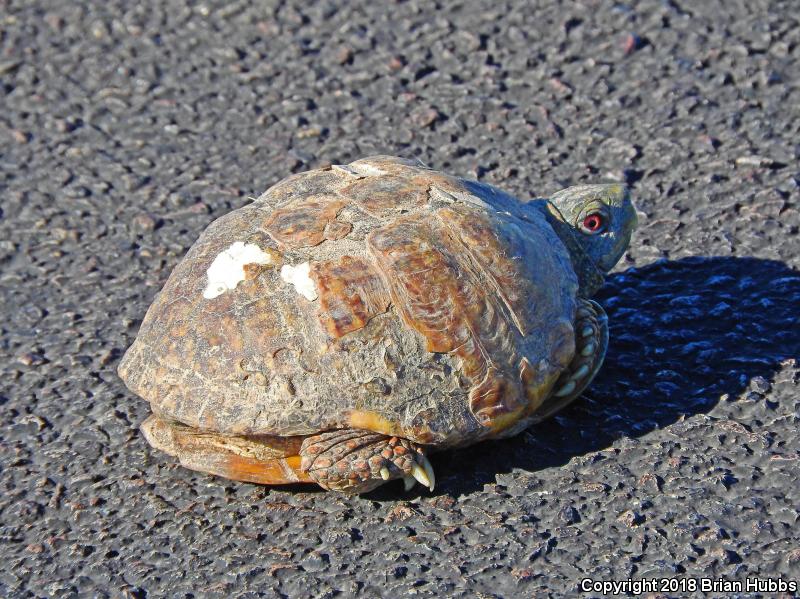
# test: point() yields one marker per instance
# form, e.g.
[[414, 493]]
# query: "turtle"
[[357, 317]]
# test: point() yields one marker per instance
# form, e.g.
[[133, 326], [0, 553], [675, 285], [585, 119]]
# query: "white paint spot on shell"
[[227, 269], [298, 276]]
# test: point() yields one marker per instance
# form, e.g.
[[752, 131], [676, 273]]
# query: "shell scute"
[[302, 223], [482, 242], [302, 185], [383, 196], [443, 299], [350, 293]]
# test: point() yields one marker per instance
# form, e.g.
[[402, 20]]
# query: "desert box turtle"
[[356, 317]]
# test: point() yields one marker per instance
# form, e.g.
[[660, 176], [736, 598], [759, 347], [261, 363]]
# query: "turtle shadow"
[[684, 334]]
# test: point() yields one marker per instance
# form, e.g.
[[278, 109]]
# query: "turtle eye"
[[593, 223]]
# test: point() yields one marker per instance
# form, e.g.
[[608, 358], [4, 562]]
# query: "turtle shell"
[[379, 295]]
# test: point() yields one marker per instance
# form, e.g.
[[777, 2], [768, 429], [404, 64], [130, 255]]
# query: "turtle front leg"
[[591, 342], [358, 461]]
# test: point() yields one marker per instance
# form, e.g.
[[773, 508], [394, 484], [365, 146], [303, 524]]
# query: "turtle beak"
[[618, 200]]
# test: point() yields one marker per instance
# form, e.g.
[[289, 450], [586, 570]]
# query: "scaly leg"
[[357, 461], [591, 342]]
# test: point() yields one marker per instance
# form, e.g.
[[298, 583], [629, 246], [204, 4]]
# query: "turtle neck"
[[590, 277]]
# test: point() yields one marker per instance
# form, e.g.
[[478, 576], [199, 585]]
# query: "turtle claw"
[[422, 473], [426, 465], [418, 472]]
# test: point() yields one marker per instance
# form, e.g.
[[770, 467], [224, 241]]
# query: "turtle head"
[[600, 220], [603, 218]]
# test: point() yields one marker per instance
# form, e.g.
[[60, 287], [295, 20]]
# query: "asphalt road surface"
[[126, 127]]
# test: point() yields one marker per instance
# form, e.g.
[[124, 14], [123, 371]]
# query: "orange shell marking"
[[266, 472], [337, 229], [350, 292]]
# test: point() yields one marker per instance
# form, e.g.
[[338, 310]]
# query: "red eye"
[[593, 223]]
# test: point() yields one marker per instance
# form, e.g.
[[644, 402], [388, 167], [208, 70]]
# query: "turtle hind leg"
[[358, 461], [262, 459], [591, 343]]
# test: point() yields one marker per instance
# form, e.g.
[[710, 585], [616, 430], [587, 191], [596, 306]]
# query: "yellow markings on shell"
[[501, 422], [536, 392], [372, 421]]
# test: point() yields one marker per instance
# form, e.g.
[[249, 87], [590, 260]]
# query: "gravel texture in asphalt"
[[126, 127]]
